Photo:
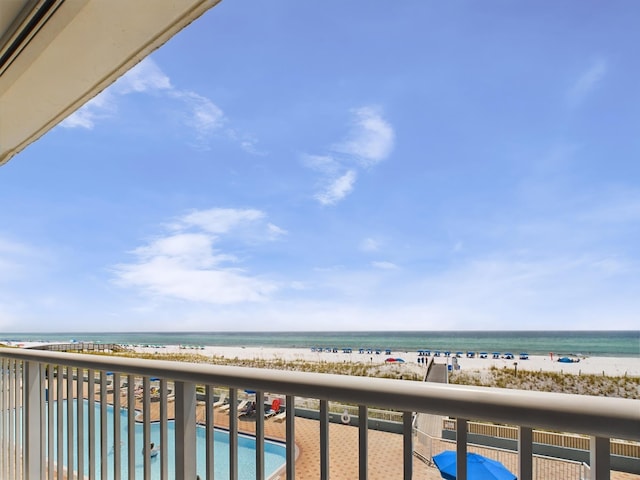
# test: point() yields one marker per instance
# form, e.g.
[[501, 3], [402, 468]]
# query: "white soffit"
[[58, 54]]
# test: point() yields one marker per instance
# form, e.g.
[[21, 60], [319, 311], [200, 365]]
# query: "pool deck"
[[385, 449]]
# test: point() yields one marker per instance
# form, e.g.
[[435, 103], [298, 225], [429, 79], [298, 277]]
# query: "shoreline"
[[608, 366]]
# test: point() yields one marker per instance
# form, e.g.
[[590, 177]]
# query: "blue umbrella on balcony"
[[478, 467]]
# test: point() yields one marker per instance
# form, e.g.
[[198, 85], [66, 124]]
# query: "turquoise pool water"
[[274, 452]]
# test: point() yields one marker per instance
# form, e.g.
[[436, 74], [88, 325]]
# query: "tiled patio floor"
[[385, 449]]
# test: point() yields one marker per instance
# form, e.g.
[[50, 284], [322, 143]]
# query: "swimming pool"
[[274, 456]]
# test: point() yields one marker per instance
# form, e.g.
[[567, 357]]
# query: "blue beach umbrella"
[[478, 467]]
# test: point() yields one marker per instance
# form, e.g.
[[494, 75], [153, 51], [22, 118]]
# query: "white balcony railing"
[[34, 432]]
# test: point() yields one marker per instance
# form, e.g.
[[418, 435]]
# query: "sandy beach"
[[609, 366]]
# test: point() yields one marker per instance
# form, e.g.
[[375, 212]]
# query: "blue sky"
[[335, 165]]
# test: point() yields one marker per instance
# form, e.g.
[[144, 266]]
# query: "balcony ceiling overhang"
[[55, 55]]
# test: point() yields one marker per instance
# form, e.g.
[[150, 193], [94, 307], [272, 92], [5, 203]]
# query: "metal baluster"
[[3, 409], [363, 440], [70, 431], [146, 427], [80, 420], [525, 453], [18, 442], [209, 431], [407, 443], [12, 419], [324, 439], [233, 434], [131, 426], [600, 457], [164, 434], [117, 419], [290, 437], [104, 443], [259, 435], [43, 416], [59, 420], [461, 449], [91, 407]]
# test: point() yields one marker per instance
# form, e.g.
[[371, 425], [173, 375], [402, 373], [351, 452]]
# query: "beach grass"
[[544, 381], [507, 377]]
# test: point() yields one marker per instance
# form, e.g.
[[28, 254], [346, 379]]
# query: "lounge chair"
[[221, 400], [275, 408], [280, 417], [241, 405]]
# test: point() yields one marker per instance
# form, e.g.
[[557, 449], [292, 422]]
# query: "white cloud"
[[146, 76], [204, 116], [193, 250], [587, 82], [370, 245], [321, 163], [218, 220], [337, 189], [371, 137], [385, 265], [198, 112], [167, 277], [102, 105], [249, 146], [275, 231], [186, 265], [369, 141]]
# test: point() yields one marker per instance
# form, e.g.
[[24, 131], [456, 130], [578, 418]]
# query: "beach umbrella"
[[478, 467]]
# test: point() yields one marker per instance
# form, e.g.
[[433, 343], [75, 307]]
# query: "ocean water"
[[591, 343]]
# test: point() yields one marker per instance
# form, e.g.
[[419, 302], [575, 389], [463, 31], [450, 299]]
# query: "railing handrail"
[[596, 416]]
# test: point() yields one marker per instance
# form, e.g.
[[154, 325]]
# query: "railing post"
[[407, 419], [290, 433], [117, 451], [32, 421], [324, 440], [600, 458], [260, 435], [363, 442], [233, 434], [525, 453], [209, 432], [461, 449], [185, 414]]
